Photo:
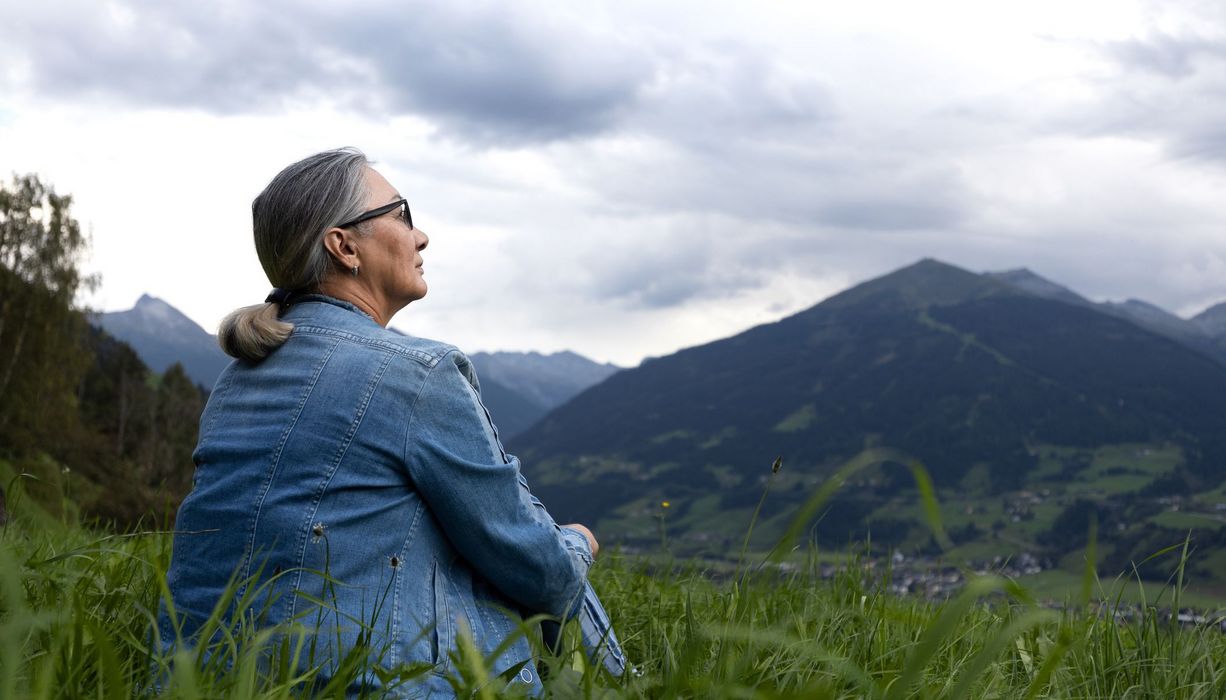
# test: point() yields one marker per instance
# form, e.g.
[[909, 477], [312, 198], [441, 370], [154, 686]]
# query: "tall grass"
[[77, 611]]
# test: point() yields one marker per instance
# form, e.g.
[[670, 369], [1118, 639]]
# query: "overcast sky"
[[628, 178]]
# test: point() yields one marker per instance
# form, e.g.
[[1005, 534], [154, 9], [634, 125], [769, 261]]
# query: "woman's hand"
[[591, 539]]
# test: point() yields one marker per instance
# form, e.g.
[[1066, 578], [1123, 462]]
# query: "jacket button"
[[525, 675]]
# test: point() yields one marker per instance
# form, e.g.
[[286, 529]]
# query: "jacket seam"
[[428, 359], [397, 579], [220, 392], [489, 422], [276, 461], [408, 424], [342, 450]]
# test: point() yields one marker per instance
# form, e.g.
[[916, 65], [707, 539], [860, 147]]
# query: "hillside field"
[[76, 604]]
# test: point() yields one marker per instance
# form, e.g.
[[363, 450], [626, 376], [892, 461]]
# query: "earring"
[[355, 270]]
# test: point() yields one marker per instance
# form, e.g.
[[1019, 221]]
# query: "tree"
[[41, 358], [179, 403], [75, 402]]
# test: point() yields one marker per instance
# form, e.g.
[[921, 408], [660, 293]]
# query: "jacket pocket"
[[444, 635]]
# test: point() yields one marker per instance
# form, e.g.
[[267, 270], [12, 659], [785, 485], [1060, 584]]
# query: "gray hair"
[[289, 219]]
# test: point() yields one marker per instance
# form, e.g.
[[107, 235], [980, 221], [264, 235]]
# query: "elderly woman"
[[348, 477]]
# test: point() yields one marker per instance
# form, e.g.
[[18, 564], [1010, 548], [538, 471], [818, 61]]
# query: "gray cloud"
[[248, 59], [485, 74], [885, 213], [697, 258], [1164, 54], [1168, 88], [695, 165], [832, 178], [724, 125], [726, 128], [499, 78], [721, 95]]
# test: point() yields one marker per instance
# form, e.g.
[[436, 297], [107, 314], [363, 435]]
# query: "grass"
[[1183, 521], [705, 522], [1062, 587], [77, 607]]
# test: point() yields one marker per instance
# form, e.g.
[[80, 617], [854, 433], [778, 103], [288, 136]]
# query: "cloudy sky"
[[627, 178]]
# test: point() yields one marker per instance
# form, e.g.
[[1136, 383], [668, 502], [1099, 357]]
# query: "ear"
[[342, 245]]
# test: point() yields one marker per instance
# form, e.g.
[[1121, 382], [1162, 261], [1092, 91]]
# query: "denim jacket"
[[356, 480]]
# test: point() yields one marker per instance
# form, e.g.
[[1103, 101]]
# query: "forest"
[[87, 430]]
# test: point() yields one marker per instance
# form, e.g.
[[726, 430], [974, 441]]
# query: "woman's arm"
[[478, 496]]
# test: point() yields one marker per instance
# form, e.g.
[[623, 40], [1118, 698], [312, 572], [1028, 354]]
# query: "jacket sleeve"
[[481, 500]]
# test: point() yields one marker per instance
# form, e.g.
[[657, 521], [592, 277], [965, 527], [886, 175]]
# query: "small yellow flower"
[[664, 504]]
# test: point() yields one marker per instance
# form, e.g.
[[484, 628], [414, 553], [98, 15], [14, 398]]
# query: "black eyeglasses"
[[373, 213]]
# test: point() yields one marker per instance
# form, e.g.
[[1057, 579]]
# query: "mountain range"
[[1032, 408], [518, 388], [996, 382], [521, 387], [1205, 332]]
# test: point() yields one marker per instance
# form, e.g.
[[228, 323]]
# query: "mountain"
[[1161, 321], [986, 383], [1196, 334], [546, 380], [1028, 281], [519, 388], [511, 412], [1213, 321], [162, 335]]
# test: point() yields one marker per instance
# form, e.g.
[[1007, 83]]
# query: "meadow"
[[76, 607]]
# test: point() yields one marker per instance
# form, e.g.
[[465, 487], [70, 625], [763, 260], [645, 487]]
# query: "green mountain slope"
[[964, 371]]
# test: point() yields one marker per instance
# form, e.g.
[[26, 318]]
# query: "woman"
[[348, 477]]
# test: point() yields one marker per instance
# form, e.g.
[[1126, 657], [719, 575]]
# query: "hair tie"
[[278, 296]]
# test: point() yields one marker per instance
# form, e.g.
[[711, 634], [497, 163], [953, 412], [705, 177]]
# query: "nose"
[[422, 239]]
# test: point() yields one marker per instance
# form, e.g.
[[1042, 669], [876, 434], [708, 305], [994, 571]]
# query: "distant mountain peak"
[[163, 335], [926, 269], [1027, 280], [1142, 304], [535, 381], [1216, 311], [1143, 310], [153, 307], [928, 282], [1212, 320], [926, 266]]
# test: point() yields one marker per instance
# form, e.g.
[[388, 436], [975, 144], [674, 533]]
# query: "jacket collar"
[[315, 305]]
